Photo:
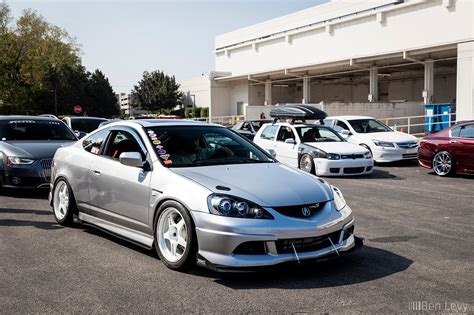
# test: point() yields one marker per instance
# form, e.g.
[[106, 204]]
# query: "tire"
[[175, 236], [306, 164], [64, 204], [443, 164]]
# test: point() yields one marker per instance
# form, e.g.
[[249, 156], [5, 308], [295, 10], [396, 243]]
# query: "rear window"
[[86, 124], [32, 129]]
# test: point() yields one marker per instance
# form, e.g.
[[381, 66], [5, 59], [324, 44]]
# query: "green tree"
[[101, 97], [156, 91]]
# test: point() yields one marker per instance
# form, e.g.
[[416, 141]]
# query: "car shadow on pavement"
[[25, 193], [25, 211], [381, 174], [366, 264], [37, 224]]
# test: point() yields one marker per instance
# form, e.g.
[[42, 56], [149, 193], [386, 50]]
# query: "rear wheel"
[[64, 204], [175, 238], [443, 164], [306, 164]]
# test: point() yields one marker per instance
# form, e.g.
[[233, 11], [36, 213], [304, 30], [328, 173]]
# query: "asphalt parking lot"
[[418, 247]]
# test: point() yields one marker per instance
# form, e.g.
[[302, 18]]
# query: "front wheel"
[[307, 164], [175, 238], [443, 164], [64, 204]]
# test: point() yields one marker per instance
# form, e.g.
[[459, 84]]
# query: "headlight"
[[368, 155], [230, 206], [323, 155], [383, 144], [339, 200], [13, 160], [332, 156]]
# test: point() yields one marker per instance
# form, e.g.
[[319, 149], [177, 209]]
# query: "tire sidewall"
[[189, 257]]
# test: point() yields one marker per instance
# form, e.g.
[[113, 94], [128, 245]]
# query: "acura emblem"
[[305, 211]]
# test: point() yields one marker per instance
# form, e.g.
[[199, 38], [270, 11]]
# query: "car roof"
[[296, 125], [86, 117], [24, 117], [349, 117], [161, 122]]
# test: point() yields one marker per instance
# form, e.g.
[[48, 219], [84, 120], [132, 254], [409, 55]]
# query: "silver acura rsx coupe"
[[198, 193]]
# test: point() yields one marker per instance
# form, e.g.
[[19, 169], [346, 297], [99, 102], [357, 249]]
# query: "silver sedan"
[[198, 193]]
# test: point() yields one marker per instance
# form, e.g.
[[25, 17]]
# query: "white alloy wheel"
[[443, 163], [306, 163], [61, 200], [172, 234]]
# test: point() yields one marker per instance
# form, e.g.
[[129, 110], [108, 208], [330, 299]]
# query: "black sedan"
[[27, 147], [249, 128]]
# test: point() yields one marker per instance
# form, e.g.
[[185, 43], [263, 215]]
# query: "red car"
[[449, 151]]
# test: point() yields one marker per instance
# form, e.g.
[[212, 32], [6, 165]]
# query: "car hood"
[[395, 136], [338, 147], [32, 149], [267, 184]]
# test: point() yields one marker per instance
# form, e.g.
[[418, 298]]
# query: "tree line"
[[40, 61]]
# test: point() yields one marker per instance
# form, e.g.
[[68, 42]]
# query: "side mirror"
[[133, 159], [290, 140], [272, 153]]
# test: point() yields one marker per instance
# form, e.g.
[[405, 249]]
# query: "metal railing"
[[415, 125]]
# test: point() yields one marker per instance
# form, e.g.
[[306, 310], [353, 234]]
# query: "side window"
[[285, 133], [467, 131], [246, 126], [455, 132], [94, 142], [328, 122], [120, 142], [342, 125], [269, 132]]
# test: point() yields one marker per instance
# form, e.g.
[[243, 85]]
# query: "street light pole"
[[194, 103], [55, 102]]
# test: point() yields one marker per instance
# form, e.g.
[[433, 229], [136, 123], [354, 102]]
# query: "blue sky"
[[125, 38]]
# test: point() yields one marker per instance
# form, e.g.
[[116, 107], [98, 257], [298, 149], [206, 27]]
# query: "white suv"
[[385, 144], [314, 149]]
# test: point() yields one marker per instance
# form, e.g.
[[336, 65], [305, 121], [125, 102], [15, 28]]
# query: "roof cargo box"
[[297, 112]]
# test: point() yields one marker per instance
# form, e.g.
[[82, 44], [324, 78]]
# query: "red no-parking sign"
[[77, 109]]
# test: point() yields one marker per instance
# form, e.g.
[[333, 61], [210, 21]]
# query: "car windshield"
[[190, 146], [86, 124], [369, 126], [259, 123], [318, 134], [32, 129]]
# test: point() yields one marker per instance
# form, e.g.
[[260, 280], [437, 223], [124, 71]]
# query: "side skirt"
[[130, 235]]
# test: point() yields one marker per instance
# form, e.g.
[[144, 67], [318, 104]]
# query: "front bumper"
[[26, 176], [344, 167], [220, 238], [383, 154]]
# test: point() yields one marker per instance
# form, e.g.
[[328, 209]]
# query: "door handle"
[[96, 173], [453, 141]]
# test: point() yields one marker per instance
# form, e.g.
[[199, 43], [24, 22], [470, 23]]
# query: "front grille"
[[408, 145], [334, 170], [352, 156], [353, 170], [46, 163], [298, 212], [409, 156], [307, 244]]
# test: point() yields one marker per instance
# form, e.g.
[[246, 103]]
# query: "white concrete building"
[[383, 58], [125, 102]]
